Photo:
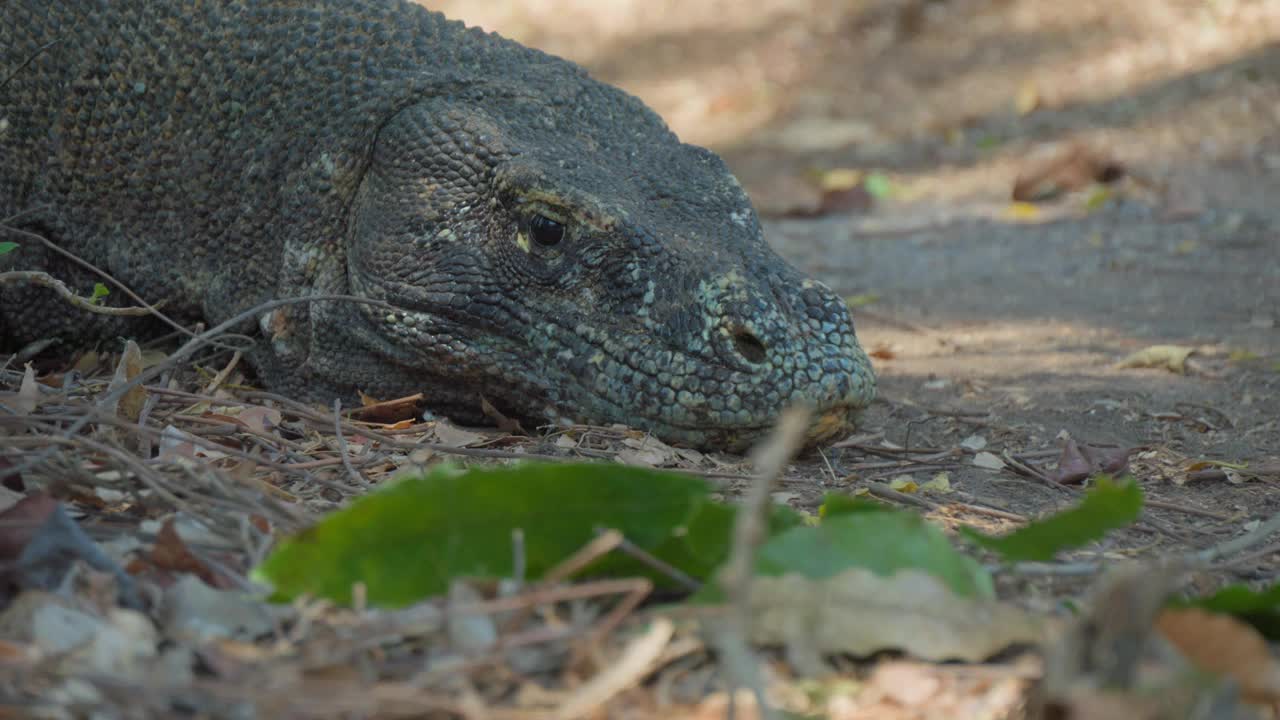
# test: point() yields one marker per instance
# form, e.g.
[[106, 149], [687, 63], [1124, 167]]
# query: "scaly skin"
[[214, 155]]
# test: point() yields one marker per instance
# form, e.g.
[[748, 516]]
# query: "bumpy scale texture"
[[215, 155]]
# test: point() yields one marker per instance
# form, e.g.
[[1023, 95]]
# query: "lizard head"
[[564, 255]]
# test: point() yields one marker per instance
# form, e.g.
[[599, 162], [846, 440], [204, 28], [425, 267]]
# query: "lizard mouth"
[[596, 385]]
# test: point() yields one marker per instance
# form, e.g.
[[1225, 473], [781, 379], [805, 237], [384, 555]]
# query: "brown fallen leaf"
[[1105, 664], [19, 524], [389, 411], [882, 352], [1073, 466], [845, 200], [131, 363], [1074, 168], [1078, 462], [1225, 646], [171, 554], [259, 419]]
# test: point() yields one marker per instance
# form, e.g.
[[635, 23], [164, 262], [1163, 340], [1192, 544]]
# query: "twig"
[[1077, 569], [223, 374], [884, 492], [1235, 545], [43, 279], [1188, 509], [94, 269], [1247, 557], [655, 563], [749, 530], [356, 477], [1031, 471], [111, 397], [637, 660]]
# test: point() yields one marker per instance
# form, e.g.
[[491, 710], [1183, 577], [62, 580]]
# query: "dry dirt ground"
[[990, 318]]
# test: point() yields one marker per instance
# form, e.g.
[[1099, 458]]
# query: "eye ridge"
[[545, 231]]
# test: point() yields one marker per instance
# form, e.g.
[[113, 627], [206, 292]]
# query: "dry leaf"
[[988, 461], [259, 419], [1170, 357], [86, 363], [904, 484], [939, 483], [1028, 98], [860, 613], [1074, 168], [646, 452], [131, 363], [882, 352], [171, 554], [1225, 646], [1024, 211], [1073, 466], [449, 434], [389, 411], [28, 397]]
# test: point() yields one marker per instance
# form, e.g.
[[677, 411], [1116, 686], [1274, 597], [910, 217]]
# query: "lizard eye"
[[545, 231]]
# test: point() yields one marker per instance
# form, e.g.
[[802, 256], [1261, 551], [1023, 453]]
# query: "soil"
[[988, 317]]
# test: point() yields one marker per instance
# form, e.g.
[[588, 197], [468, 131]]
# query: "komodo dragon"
[[546, 242]]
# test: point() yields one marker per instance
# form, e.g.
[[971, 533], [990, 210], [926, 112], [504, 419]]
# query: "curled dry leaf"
[[1169, 357], [1225, 646], [131, 363], [1074, 168], [28, 396], [1073, 466]]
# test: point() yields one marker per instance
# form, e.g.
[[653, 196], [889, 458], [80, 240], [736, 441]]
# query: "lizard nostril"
[[749, 346]]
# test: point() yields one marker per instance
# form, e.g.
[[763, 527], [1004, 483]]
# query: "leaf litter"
[[152, 560]]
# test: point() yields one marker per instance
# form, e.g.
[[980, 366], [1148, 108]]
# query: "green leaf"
[[836, 503], [881, 539], [1259, 608], [1098, 198], [1108, 506], [7, 247], [862, 300], [878, 186], [99, 291], [408, 541]]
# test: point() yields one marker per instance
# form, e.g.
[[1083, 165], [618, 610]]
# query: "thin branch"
[[94, 269], [354, 474], [749, 530], [43, 279]]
